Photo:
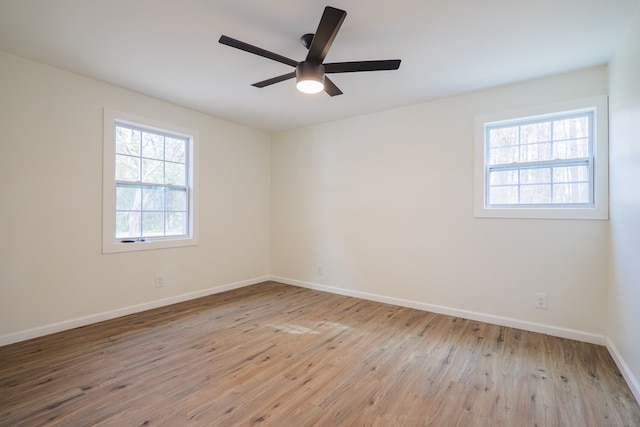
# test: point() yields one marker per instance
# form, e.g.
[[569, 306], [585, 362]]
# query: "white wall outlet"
[[159, 280], [541, 301], [319, 270]]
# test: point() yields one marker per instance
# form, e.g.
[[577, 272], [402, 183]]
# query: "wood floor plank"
[[273, 354]]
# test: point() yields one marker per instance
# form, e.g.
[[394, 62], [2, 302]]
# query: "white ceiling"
[[169, 48]]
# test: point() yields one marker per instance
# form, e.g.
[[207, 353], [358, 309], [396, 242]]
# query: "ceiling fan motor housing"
[[310, 71]]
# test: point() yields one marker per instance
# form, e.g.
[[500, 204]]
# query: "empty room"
[[299, 213]]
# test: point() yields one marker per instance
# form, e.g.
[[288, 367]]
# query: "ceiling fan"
[[310, 73]]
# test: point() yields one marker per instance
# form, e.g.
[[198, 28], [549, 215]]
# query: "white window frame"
[[599, 163], [111, 244]]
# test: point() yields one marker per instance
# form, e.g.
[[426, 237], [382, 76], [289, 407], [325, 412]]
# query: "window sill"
[[595, 213], [149, 244]]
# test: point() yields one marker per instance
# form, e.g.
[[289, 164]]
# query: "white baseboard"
[[112, 314], [633, 383], [470, 315]]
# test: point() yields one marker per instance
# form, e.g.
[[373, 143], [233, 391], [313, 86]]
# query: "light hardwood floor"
[[272, 354]]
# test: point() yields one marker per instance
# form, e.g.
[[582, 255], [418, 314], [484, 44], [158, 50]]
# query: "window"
[[148, 184], [549, 165]]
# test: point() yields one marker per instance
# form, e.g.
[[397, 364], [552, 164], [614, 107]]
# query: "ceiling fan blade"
[[331, 88], [355, 66], [325, 34], [256, 50], [275, 80]]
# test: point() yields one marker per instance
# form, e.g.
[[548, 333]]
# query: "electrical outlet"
[[159, 281], [319, 270], [541, 301]]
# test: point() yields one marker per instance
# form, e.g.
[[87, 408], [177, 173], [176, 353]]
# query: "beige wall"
[[51, 266], [624, 289], [384, 203]]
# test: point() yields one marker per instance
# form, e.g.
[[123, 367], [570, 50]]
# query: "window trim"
[[599, 209], [110, 244]]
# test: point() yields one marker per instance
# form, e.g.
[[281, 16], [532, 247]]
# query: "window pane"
[[505, 155], [543, 160], [500, 137], [503, 177], [535, 176], [176, 224], [175, 173], [175, 150], [571, 149], [535, 152], [571, 193], [507, 195], [127, 168], [152, 223], [576, 127], [571, 174], [541, 141], [153, 199], [127, 224], [536, 132], [152, 146], [176, 200], [128, 198], [127, 141], [153, 171], [535, 194]]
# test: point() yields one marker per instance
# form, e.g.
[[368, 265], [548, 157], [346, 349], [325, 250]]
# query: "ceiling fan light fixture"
[[310, 77], [310, 86]]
